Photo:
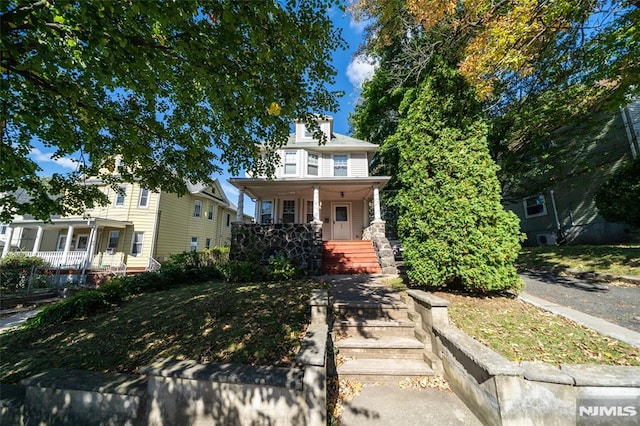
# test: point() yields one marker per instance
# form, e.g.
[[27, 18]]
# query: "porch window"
[[288, 211], [194, 244], [121, 194], [114, 236], [210, 213], [144, 198], [62, 241], [83, 242], [136, 243], [309, 211], [197, 208], [340, 165], [290, 163], [535, 206], [207, 243], [266, 215], [312, 164]]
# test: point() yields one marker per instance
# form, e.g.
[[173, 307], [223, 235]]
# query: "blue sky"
[[351, 73]]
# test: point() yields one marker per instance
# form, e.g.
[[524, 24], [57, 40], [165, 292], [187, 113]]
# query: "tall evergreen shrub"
[[454, 229]]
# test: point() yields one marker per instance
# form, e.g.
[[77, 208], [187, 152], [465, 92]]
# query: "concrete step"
[[383, 348], [382, 370], [373, 328], [371, 310], [351, 269]]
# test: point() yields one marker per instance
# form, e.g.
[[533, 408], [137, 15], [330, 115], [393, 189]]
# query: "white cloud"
[[358, 26], [43, 157], [360, 69]]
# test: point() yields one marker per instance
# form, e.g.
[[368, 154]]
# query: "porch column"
[[36, 245], [376, 205], [7, 243], [67, 245], [91, 247], [240, 212], [258, 213], [316, 204]]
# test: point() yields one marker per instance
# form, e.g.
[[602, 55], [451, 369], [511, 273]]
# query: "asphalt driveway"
[[614, 303]]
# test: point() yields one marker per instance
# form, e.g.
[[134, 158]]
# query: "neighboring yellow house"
[[134, 232]]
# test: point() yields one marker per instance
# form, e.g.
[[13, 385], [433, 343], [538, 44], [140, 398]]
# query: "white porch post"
[[67, 245], [240, 212], [258, 213], [91, 247], [376, 205], [7, 242], [36, 245], [316, 204]]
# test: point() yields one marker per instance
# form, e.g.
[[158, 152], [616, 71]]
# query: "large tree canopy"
[[159, 84], [537, 65]]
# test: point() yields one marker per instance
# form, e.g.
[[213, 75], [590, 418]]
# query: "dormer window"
[[290, 163], [307, 133]]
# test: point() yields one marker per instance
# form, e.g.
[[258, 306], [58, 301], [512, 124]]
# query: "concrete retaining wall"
[[174, 392], [501, 392]]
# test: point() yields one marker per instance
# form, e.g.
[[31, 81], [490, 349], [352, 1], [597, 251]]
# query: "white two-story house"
[[323, 184]]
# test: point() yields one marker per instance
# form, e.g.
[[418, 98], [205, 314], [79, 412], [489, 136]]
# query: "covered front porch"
[[81, 244], [342, 207]]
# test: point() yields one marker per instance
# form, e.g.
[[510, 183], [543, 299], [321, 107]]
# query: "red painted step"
[[349, 257]]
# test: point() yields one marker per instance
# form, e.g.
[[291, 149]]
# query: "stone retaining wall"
[[501, 392], [300, 243], [376, 233], [173, 392]]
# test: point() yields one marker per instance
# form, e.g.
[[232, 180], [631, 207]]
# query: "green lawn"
[[610, 259], [257, 324]]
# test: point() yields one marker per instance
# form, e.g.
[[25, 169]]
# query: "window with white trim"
[[290, 162], [121, 195], [197, 208], [535, 206], [340, 165], [309, 211], [114, 236], [136, 243], [144, 198], [266, 212], [3, 229], [193, 246], [288, 211], [210, 212], [307, 133], [207, 243], [62, 241], [312, 164]]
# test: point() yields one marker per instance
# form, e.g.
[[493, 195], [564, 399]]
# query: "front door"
[[341, 222]]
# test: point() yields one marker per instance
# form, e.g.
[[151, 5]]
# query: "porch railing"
[[153, 265], [56, 258]]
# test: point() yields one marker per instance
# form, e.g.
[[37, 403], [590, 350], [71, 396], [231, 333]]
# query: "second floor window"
[[144, 198], [210, 213], [340, 165], [121, 194], [312, 165], [290, 163], [197, 209]]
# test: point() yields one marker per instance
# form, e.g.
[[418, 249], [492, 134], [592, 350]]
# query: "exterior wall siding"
[[598, 153]]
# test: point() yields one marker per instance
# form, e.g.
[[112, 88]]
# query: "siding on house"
[[600, 146]]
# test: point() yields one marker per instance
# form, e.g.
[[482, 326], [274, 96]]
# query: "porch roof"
[[64, 222], [329, 187]]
